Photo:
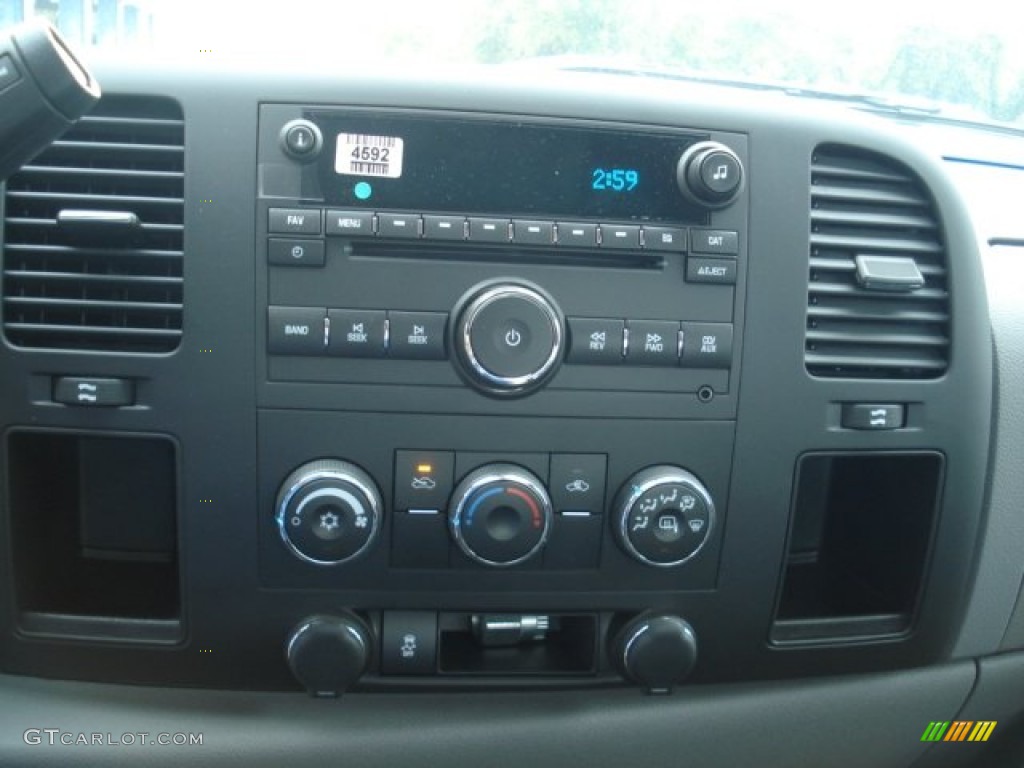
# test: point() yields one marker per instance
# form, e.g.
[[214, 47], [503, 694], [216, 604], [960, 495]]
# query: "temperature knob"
[[710, 174], [328, 512], [501, 515], [665, 516]]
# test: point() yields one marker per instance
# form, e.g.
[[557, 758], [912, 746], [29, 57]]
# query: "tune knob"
[[664, 516], [655, 651], [328, 511], [710, 174], [328, 654], [500, 515], [509, 338]]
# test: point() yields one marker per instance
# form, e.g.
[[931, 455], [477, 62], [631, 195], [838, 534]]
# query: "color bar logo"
[[959, 730]]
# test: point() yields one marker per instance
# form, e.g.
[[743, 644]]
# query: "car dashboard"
[[577, 419]]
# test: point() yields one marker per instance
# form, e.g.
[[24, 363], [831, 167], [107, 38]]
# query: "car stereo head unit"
[[517, 256]]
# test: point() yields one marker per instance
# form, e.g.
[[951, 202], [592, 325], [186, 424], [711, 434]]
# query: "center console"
[[430, 276]]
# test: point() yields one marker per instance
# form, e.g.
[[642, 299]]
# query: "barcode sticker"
[[362, 155]]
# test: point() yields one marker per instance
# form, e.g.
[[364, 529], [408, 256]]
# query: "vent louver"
[[864, 204], [93, 245]]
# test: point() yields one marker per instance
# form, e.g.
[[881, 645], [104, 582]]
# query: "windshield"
[[962, 57]]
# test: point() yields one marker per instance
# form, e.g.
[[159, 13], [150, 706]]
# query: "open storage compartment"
[[93, 531], [861, 529]]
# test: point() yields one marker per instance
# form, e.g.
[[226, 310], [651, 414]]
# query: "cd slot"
[[503, 254]]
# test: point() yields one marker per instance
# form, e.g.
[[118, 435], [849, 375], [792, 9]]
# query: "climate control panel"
[[499, 514]]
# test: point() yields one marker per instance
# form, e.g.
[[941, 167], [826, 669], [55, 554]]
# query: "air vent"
[[867, 205], [94, 237]]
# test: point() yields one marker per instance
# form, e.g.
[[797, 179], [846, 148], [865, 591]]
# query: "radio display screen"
[[422, 163]]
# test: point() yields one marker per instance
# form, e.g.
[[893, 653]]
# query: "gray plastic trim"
[[838, 720], [1001, 555]]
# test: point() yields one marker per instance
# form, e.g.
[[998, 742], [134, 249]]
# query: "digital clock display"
[[554, 169], [614, 179]]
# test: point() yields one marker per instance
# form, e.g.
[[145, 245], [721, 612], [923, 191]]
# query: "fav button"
[[294, 221]]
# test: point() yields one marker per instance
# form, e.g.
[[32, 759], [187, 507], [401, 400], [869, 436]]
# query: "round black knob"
[[500, 515], [328, 654], [664, 516], [655, 651], [509, 337], [328, 512], [710, 174], [301, 140]]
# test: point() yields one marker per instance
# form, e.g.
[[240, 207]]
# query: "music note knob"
[[710, 174]]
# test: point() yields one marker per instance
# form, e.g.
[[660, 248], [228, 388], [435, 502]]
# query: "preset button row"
[[485, 229]]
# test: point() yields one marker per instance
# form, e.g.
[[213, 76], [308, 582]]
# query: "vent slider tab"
[[894, 274]]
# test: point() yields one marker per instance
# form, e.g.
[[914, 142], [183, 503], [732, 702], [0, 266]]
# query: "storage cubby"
[[93, 528], [858, 545]]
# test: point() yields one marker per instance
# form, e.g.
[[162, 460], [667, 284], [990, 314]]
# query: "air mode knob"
[[710, 174], [509, 336], [664, 516], [500, 515], [328, 512]]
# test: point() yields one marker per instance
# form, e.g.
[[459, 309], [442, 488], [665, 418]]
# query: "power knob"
[[509, 338], [710, 174]]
